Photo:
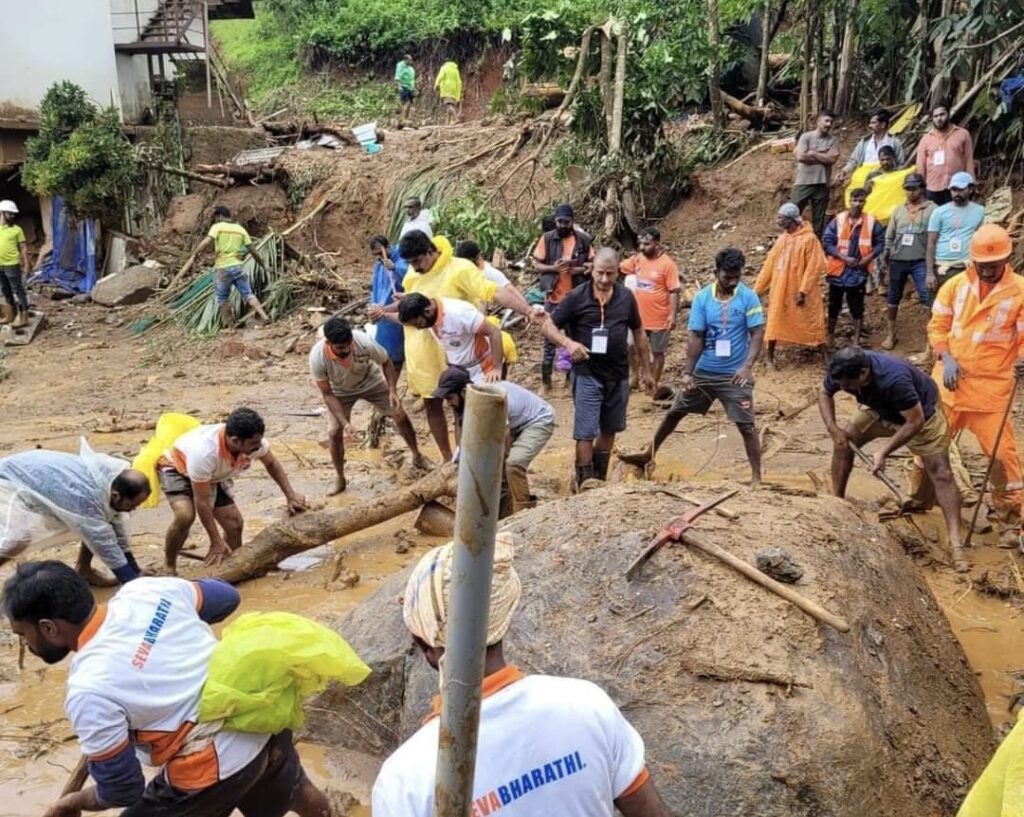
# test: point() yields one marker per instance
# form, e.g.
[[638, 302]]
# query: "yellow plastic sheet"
[[169, 427], [508, 344], [904, 120], [886, 190], [999, 792], [265, 667]]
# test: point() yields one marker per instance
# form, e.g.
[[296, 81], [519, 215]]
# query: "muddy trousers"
[[526, 445], [548, 361], [13, 286], [1005, 483]]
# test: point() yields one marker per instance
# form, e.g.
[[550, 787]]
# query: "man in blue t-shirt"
[[388, 271], [950, 228], [899, 403], [726, 334]]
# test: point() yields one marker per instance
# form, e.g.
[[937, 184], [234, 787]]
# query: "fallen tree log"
[[296, 534], [196, 177], [239, 173], [307, 130], [758, 117], [550, 92]]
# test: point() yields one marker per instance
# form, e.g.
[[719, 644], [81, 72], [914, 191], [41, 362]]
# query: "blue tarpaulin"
[[72, 264], [1010, 87]]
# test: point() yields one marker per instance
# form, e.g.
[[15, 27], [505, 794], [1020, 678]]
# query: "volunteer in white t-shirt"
[[531, 422], [416, 218], [133, 694], [547, 745], [197, 474], [468, 339]]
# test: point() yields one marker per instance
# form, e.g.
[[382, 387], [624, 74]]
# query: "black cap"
[[453, 381], [564, 211], [913, 180]]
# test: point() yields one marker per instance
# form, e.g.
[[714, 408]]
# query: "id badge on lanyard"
[[599, 336], [723, 346]]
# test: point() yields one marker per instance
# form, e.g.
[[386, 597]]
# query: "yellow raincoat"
[[450, 277], [449, 81], [999, 792]]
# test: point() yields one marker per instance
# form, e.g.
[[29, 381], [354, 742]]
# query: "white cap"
[[8, 206]]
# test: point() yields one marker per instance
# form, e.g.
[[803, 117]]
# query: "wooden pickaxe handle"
[[886, 480], [812, 609], [78, 777]]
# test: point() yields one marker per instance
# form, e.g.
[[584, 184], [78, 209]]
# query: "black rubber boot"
[[583, 473], [545, 375], [601, 461]]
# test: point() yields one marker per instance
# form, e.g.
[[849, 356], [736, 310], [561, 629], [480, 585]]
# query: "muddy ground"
[[85, 374]]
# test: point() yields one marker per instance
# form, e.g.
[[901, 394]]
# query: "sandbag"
[[886, 190], [265, 667], [999, 792], [169, 427]]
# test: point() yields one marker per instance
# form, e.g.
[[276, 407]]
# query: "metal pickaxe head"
[[674, 530]]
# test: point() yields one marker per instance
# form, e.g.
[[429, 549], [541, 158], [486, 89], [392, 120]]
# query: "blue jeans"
[[899, 271], [225, 278]]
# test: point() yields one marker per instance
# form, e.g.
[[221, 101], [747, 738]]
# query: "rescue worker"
[[47, 497], [448, 85], [531, 422], [547, 745], [133, 696], [977, 333], [13, 264], [792, 274]]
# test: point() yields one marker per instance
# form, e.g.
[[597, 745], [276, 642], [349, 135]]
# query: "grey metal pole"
[[476, 521]]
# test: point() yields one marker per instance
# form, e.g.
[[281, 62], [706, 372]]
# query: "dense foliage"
[[81, 154]]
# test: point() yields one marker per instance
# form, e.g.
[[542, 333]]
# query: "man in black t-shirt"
[[597, 316], [900, 403]]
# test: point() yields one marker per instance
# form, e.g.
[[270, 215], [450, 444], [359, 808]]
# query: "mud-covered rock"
[[780, 565], [747, 705], [130, 286]]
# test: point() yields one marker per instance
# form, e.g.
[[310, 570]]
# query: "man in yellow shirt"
[[231, 243], [13, 262], [449, 87]]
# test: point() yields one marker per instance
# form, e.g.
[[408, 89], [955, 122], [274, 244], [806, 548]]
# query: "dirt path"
[[84, 376]]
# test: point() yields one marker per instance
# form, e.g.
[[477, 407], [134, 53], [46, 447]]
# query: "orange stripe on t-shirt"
[[110, 752], [194, 772], [637, 784]]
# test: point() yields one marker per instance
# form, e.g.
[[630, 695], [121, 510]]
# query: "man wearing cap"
[[906, 250], [977, 333], [792, 274], [869, 149], [13, 262], [597, 317], [531, 422], [853, 240], [816, 153], [547, 745], [944, 151], [563, 258], [950, 227]]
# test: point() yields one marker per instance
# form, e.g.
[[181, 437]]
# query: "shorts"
[[658, 340], [264, 788], [174, 484], [405, 95], [737, 400], [376, 396], [227, 277], [854, 299], [932, 439], [599, 407], [899, 272], [447, 100]]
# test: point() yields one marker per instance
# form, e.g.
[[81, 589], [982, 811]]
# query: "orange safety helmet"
[[990, 243]]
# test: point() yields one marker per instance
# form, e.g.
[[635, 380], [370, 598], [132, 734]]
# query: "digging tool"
[[673, 532], [77, 778], [991, 462], [813, 609], [883, 477]]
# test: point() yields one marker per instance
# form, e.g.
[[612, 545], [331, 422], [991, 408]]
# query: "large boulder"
[[747, 705], [132, 285]]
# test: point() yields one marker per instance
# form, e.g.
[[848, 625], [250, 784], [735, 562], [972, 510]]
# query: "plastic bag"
[[563, 361], [886, 190], [169, 427], [999, 792], [265, 667], [24, 522]]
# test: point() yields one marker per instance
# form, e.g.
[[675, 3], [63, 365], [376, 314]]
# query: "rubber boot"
[[601, 461], [518, 488], [20, 320], [890, 338], [545, 376], [584, 474], [6, 313]]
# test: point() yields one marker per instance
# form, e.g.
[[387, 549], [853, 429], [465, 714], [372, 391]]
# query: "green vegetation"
[[470, 217], [81, 155]]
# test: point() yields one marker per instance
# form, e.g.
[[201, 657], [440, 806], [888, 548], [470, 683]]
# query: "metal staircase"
[[174, 27]]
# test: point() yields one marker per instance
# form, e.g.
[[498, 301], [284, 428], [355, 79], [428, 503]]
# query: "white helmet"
[[8, 206]]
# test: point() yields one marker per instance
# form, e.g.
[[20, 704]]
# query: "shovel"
[[905, 504]]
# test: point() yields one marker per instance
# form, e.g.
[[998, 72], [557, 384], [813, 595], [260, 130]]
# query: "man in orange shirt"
[[977, 332], [563, 257], [944, 151], [657, 294]]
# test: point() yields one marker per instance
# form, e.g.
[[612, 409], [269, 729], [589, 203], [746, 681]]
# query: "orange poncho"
[[794, 265]]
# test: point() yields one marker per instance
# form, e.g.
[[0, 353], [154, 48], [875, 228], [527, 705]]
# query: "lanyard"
[[601, 304], [724, 305]]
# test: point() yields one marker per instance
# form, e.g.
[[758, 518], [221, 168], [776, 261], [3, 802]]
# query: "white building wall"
[[45, 42]]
